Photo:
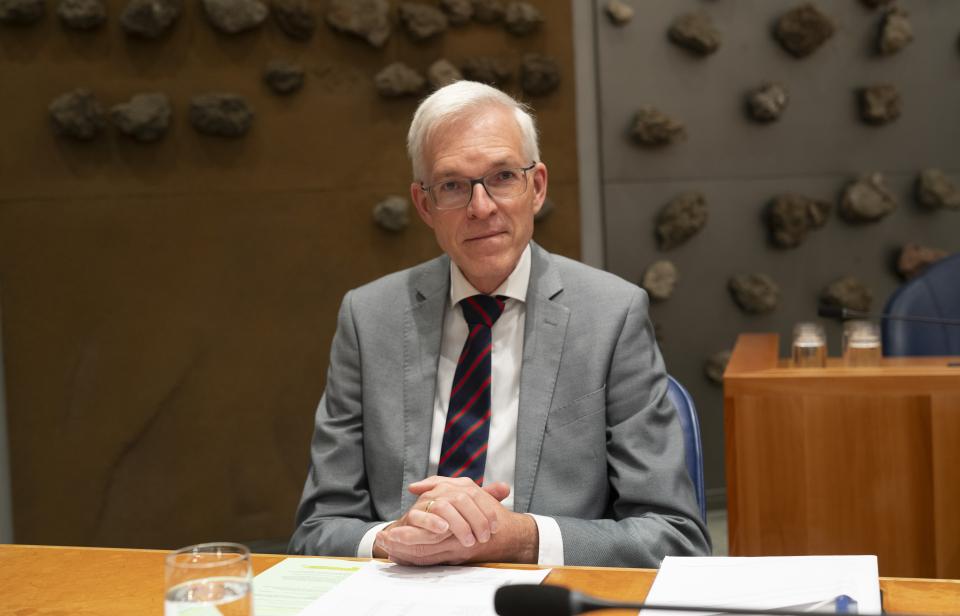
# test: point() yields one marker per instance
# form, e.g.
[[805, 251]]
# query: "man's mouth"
[[483, 236]]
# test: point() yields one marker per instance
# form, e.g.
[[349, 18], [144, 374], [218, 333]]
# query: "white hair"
[[458, 100]]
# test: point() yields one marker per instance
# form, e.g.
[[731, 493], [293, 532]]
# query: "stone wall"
[[817, 148]]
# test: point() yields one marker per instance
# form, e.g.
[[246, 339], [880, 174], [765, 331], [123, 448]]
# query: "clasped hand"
[[454, 521]]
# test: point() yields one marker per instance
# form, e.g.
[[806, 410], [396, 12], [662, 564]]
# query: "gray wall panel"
[[816, 149], [701, 318], [819, 133]]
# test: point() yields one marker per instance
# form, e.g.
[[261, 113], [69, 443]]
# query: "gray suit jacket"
[[599, 446]]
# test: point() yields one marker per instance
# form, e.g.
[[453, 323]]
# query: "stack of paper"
[[800, 583]]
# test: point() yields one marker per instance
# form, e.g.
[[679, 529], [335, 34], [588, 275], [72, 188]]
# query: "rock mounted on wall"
[[459, 12], [879, 104], [895, 31], [754, 293], [619, 12], [695, 32], [21, 12], [422, 21], [789, 217], [539, 74], [935, 191], [442, 73], [283, 77], [487, 69], [915, 258], [681, 219], [522, 18], [847, 292], [77, 115], [150, 18], [488, 11], [296, 18], [392, 213], [368, 19], [145, 118], [398, 79], [659, 280], [867, 200], [801, 31], [235, 16], [82, 14], [716, 365], [652, 127], [221, 114], [767, 103]]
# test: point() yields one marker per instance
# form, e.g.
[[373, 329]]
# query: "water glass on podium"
[[209, 578], [861, 343], [809, 346]]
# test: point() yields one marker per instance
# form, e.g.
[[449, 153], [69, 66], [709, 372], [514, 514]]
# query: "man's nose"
[[481, 204]]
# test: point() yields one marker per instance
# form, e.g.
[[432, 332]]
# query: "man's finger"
[[412, 535], [446, 552], [468, 504], [428, 521], [424, 485], [497, 489], [459, 526]]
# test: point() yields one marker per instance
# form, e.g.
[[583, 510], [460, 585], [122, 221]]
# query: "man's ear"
[[421, 201], [539, 174]]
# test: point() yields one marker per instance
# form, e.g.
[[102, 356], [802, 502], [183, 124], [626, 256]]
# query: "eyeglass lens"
[[500, 184]]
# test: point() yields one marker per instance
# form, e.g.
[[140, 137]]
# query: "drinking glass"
[[209, 579], [861, 343], [809, 345]]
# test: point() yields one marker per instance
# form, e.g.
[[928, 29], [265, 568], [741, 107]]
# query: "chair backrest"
[[934, 293], [692, 445]]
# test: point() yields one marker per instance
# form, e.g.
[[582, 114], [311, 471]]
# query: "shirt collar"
[[514, 287]]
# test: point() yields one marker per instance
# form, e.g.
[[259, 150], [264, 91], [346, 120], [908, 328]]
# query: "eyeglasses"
[[455, 193]]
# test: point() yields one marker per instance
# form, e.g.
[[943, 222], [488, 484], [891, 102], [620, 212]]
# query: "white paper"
[[765, 582], [386, 589], [294, 583]]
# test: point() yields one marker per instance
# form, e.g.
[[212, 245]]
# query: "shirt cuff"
[[365, 549], [550, 543]]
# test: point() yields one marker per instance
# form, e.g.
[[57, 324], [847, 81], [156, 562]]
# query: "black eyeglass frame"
[[473, 182]]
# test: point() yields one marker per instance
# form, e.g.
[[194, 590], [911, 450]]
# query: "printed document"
[[294, 583], [386, 589]]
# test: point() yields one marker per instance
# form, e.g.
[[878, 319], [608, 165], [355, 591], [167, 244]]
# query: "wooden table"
[[841, 460], [48, 581]]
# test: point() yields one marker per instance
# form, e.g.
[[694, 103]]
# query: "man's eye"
[[506, 175], [451, 186]]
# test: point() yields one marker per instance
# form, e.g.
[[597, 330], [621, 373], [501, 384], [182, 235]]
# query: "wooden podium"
[[841, 460]]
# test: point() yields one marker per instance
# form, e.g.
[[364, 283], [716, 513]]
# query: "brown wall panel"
[[168, 308]]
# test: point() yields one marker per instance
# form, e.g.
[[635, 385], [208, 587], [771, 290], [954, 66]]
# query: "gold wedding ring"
[[429, 504]]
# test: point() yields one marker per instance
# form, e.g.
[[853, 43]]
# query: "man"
[[498, 403]]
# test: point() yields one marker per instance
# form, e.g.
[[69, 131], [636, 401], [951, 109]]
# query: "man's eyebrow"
[[497, 164]]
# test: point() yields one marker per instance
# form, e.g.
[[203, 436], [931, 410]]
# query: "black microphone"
[[832, 311], [547, 600]]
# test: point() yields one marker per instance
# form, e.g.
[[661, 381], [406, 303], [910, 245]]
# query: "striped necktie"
[[464, 449]]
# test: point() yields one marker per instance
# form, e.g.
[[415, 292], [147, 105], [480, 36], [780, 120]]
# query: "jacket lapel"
[[422, 329], [544, 332]]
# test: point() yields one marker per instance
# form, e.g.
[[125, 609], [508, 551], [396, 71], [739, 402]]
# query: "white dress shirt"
[[506, 360]]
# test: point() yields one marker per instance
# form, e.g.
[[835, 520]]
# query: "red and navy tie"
[[464, 449]]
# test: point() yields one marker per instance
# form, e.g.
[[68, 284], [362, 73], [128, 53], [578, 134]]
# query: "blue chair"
[[934, 293], [692, 445]]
